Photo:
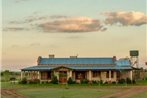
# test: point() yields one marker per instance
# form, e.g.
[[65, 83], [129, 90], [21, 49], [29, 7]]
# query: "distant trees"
[[9, 76], [5, 75]]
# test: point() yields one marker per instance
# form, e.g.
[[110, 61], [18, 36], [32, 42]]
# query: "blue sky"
[[90, 28]]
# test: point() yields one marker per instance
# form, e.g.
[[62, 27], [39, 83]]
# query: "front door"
[[62, 76]]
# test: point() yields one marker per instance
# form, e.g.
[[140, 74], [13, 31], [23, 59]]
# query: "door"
[[62, 76]]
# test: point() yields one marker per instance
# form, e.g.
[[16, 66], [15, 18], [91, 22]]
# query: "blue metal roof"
[[103, 64], [123, 62], [45, 61]]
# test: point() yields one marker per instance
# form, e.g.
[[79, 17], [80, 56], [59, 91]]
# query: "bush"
[[34, 81], [12, 79], [84, 81], [133, 81], [54, 80], [95, 82], [106, 82], [23, 81], [113, 82], [121, 81], [70, 81], [128, 81], [101, 81]]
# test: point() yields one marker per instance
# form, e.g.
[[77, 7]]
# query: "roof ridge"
[[83, 58]]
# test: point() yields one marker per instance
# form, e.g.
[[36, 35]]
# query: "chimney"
[[39, 59], [73, 56], [51, 56], [114, 58]]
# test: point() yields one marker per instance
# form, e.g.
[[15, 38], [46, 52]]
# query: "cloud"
[[15, 29], [72, 24], [35, 44], [18, 1], [16, 22], [34, 19], [58, 16], [126, 18]]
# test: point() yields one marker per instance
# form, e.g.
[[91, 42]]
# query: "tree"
[[6, 75]]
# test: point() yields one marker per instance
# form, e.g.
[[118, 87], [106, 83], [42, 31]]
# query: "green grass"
[[66, 93], [141, 95], [70, 91], [59, 91], [142, 82]]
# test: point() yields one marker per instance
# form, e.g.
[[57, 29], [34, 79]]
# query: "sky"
[[88, 28]]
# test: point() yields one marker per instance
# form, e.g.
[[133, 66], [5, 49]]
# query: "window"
[[96, 73], [43, 75], [80, 75], [107, 74]]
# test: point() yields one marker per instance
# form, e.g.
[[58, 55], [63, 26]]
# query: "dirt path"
[[11, 93], [128, 92]]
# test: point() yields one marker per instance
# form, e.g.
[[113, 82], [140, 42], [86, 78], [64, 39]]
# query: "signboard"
[[134, 53]]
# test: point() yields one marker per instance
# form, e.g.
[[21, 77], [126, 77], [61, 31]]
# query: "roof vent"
[[51, 56]]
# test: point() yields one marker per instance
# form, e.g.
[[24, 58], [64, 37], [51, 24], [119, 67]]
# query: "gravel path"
[[11, 93]]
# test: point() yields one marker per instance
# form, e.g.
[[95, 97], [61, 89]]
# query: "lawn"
[[59, 91], [141, 95], [71, 91], [66, 93]]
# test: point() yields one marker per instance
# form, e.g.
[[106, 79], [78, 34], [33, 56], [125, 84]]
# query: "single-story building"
[[107, 69]]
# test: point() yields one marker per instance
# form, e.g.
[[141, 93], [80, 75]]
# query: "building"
[[107, 69]]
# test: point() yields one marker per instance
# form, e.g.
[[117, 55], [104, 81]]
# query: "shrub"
[[12, 79], [36, 81], [70, 81], [101, 81], [95, 82], [33, 81], [128, 81], [23, 81], [106, 82], [84, 81], [54, 80], [121, 81], [133, 81], [113, 82]]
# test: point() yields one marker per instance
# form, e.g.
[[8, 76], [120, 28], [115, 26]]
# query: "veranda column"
[[70, 74], [38, 74], [28, 75], [89, 75], [131, 75], [21, 75], [109, 75], [74, 75]]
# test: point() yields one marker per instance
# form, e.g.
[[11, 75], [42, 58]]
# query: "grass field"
[[74, 91]]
